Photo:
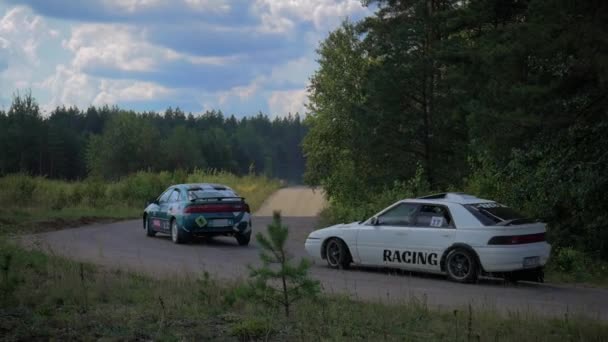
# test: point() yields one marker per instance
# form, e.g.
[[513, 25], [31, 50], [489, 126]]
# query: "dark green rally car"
[[187, 210]]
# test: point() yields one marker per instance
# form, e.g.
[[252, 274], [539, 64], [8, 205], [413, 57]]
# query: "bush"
[[569, 260], [370, 202], [554, 181]]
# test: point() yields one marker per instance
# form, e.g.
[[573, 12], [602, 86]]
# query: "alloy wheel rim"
[[174, 231], [459, 266], [333, 253]]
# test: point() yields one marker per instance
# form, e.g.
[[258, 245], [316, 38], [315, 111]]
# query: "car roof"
[[450, 197]]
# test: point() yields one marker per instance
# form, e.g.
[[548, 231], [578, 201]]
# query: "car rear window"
[[492, 213], [204, 193]]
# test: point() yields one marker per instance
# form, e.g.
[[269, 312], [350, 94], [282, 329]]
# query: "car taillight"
[[517, 239], [216, 208]]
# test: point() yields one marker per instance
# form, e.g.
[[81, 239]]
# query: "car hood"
[[324, 232]]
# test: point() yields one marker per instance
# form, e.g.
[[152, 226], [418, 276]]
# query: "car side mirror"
[[374, 221]]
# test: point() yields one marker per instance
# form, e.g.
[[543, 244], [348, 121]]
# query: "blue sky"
[[240, 56]]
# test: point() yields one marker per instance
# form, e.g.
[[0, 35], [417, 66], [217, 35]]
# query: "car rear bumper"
[[242, 227], [511, 258]]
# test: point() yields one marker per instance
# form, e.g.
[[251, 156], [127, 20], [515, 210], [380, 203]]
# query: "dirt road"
[[294, 202], [124, 245]]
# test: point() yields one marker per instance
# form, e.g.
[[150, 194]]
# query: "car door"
[[382, 240], [432, 232], [157, 218], [173, 203], [163, 210]]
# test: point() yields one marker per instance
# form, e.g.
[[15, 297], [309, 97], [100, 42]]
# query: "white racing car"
[[451, 233]]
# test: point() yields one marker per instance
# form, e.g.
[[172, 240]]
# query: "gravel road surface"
[[124, 245]]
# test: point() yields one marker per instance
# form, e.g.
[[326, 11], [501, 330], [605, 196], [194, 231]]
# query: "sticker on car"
[[201, 221]]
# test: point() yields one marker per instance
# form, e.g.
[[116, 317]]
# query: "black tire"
[[337, 254], [149, 231], [178, 236], [243, 239], [461, 266]]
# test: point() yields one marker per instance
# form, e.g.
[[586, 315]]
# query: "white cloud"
[[294, 71], [242, 93], [132, 5], [206, 5], [110, 46], [278, 15], [283, 102], [122, 47], [113, 92], [21, 34], [68, 87]]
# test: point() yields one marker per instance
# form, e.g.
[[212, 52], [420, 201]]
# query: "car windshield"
[[198, 193], [492, 213]]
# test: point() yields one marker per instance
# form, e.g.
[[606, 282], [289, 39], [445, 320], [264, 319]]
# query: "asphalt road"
[[124, 245]]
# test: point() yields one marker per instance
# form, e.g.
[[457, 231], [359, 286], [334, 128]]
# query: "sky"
[[238, 56]]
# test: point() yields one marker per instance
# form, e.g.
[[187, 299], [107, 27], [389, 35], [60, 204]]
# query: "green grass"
[[568, 265], [33, 220], [45, 297], [30, 204]]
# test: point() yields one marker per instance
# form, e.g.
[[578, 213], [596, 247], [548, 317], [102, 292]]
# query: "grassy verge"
[[35, 220], [32, 204], [45, 297]]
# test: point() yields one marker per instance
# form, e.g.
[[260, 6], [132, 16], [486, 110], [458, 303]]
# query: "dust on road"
[[294, 202]]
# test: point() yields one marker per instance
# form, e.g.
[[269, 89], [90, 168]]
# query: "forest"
[[110, 143], [504, 99]]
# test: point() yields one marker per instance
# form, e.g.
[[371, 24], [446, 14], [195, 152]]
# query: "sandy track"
[[294, 202]]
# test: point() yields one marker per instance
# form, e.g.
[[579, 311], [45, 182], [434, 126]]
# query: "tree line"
[[503, 98], [110, 143]]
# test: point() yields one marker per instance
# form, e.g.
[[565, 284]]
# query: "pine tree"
[[278, 282]]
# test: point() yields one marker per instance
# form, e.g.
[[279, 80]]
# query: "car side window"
[[165, 196], [174, 196], [434, 216], [400, 215]]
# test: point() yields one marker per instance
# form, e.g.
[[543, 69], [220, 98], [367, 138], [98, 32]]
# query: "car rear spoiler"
[[206, 199]]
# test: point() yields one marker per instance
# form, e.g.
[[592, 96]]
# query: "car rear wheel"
[[177, 235], [462, 266], [149, 231], [243, 239], [337, 254]]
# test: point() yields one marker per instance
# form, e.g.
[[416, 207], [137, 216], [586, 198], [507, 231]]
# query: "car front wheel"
[[149, 231], [461, 266], [337, 254]]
